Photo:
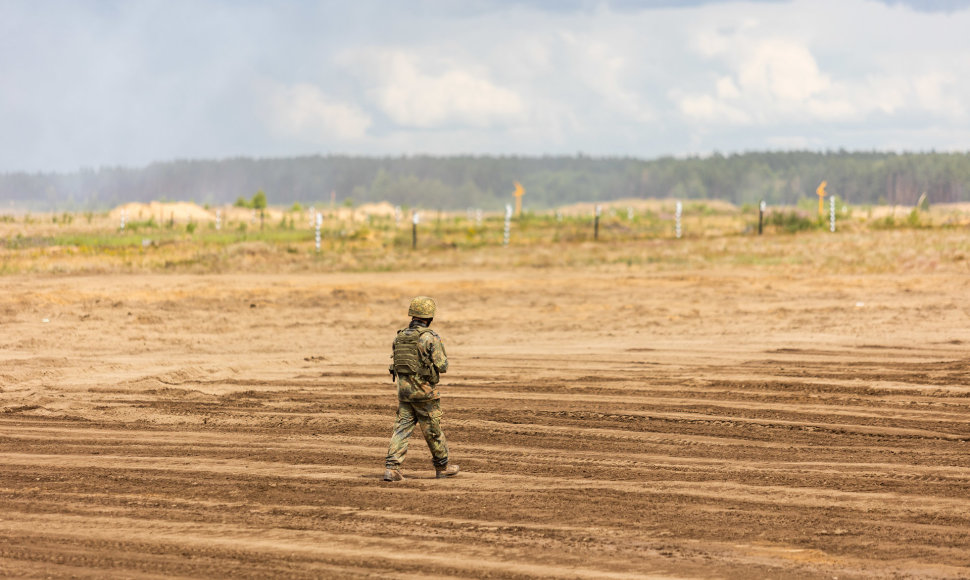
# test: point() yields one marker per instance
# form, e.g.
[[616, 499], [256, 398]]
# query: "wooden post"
[[414, 230]]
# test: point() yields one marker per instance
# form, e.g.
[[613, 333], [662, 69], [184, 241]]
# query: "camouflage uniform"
[[418, 398]]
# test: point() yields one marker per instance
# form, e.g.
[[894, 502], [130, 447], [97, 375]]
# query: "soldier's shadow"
[[407, 476]]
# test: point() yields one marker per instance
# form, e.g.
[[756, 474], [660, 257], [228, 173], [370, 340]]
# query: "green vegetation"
[[792, 221], [632, 237], [258, 201]]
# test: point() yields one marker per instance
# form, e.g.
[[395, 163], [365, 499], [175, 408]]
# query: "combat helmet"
[[422, 307]]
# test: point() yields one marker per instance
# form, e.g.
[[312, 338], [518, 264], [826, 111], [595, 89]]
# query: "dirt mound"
[[382, 209], [181, 211], [360, 213]]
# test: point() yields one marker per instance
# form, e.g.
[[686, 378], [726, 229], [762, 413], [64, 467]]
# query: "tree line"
[[458, 182]]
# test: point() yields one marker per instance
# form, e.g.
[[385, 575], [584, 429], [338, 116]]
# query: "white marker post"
[[832, 214], [761, 216], [629, 214], [508, 225], [124, 214], [478, 218], [317, 237], [218, 219], [680, 211]]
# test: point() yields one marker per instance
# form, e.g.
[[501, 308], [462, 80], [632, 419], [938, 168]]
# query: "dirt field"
[[618, 422]]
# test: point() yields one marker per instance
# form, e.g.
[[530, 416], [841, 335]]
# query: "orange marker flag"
[[821, 195], [519, 192]]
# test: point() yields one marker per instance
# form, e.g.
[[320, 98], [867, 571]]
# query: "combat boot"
[[449, 470], [393, 475]]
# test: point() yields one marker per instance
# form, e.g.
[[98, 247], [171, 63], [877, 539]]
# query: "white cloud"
[[780, 69], [834, 109], [793, 142], [605, 63], [455, 95], [727, 88], [304, 111], [707, 108], [715, 39], [767, 78], [938, 92], [884, 94]]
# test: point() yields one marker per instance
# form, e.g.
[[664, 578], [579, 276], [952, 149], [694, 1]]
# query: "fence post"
[[319, 222], [761, 216], [680, 211], [508, 224], [832, 214], [414, 230], [596, 222]]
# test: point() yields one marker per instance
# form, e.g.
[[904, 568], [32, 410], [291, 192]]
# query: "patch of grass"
[[913, 220], [792, 221]]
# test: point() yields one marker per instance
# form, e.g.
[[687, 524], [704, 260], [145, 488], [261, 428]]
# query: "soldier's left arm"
[[438, 356]]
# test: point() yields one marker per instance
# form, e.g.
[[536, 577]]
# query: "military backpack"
[[408, 358]]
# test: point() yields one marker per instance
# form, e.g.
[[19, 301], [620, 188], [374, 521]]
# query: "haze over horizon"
[[99, 83]]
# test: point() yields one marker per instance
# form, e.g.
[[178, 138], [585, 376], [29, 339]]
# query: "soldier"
[[417, 360]]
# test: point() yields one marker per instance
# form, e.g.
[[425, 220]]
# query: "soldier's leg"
[[403, 427], [429, 417]]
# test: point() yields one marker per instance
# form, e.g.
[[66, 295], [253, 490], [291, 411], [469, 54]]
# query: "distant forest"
[[488, 181]]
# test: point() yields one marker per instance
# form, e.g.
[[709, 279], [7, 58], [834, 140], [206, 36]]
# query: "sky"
[[86, 84]]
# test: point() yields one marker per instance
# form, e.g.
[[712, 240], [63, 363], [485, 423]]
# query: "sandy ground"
[[737, 423]]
